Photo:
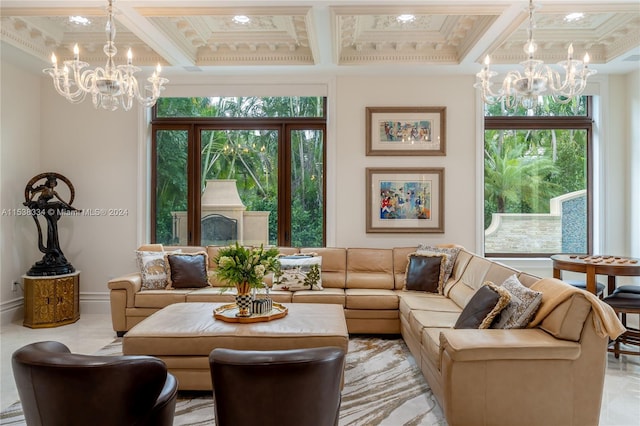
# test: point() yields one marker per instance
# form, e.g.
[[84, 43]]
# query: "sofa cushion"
[[462, 260], [298, 272], [160, 298], [521, 308], [334, 296], [451, 252], [470, 281], [187, 270], [413, 300], [425, 272], [212, 295], [419, 320], [400, 261], [375, 298], [370, 268], [431, 344], [566, 321], [483, 307], [563, 310]]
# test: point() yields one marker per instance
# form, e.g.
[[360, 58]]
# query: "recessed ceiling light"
[[572, 17], [241, 19], [406, 18], [79, 20]]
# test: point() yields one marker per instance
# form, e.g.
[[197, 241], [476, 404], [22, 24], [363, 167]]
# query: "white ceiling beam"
[[320, 32], [153, 37], [508, 21]]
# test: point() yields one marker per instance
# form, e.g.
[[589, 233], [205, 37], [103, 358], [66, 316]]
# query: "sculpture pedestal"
[[51, 301]]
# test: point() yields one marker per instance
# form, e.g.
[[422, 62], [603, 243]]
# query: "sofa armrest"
[[527, 344], [131, 283]]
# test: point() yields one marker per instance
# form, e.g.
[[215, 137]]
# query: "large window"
[[239, 169], [537, 180]]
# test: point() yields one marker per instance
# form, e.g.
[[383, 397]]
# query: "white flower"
[[226, 261], [260, 270]]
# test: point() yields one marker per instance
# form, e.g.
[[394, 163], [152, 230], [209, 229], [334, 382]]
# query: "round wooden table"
[[611, 266]]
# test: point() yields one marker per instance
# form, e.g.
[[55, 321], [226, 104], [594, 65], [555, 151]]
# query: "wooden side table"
[[51, 301]]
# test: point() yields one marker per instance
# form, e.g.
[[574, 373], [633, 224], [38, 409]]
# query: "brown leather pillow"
[[483, 307], [424, 273], [187, 270]]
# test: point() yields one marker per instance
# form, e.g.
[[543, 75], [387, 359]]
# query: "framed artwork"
[[406, 130], [405, 200]]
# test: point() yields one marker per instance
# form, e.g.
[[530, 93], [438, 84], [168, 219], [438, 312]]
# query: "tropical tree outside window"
[[537, 180], [244, 169]]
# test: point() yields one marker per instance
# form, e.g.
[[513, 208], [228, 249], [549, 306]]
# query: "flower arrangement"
[[239, 265]]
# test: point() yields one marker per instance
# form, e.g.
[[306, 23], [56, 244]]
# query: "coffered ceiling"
[[198, 35]]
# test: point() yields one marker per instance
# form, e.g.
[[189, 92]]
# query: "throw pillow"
[[425, 272], [451, 252], [522, 307], [153, 269], [483, 307], [187, 270], [299, 272]]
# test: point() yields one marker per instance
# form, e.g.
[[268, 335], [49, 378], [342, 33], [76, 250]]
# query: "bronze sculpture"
[[43, 200]]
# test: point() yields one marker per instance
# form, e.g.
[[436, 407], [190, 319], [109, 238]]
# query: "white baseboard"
[[95, 303], [12, 310], [90, 303]]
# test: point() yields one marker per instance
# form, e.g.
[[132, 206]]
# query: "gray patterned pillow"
[[451, 252], [522, 307], [153, 269]]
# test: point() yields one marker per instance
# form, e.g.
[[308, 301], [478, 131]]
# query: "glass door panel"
[[307, 187], [239, 187], [170, 222]]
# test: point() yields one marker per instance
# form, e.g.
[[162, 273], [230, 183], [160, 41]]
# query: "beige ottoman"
[[183, 335]]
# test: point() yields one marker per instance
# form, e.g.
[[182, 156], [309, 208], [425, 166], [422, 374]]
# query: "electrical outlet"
[[15, 286]]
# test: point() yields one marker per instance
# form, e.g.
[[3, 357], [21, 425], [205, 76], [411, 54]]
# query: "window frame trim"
[[584, 122], [194, 125]]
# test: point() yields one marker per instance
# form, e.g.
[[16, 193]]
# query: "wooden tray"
[[228, 313]]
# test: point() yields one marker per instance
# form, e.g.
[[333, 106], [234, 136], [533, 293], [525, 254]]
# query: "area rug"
[[383, 386]]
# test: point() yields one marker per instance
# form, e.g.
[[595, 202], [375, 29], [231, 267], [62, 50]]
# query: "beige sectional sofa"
[[549, 373]]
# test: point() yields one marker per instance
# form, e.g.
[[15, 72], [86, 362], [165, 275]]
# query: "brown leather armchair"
[[284, 388], [58, 388]]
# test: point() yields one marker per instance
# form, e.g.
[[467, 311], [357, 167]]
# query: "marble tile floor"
[[620, 403]]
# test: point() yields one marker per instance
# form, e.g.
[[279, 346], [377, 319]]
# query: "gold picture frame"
[[405, 200], [406, 130]]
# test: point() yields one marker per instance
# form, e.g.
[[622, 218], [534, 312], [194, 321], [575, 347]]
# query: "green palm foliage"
[[524, 169]]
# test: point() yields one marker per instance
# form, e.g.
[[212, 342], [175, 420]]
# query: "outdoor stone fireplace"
[[224, 218]]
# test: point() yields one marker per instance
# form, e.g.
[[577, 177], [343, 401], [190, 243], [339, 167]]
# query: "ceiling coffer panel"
[[214, 38], [428, 39]]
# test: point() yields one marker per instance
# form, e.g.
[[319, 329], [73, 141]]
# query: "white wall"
[[19, 162], [99, 152], [356, 93], [632, 84]]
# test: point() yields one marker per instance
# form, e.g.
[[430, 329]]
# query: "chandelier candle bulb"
[[111, 86], [526, 87]]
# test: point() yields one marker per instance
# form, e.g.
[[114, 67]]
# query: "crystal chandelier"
[[538, 79], [111, 86]]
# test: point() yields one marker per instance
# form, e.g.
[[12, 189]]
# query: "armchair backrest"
[[57, 387], [283, 388]]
